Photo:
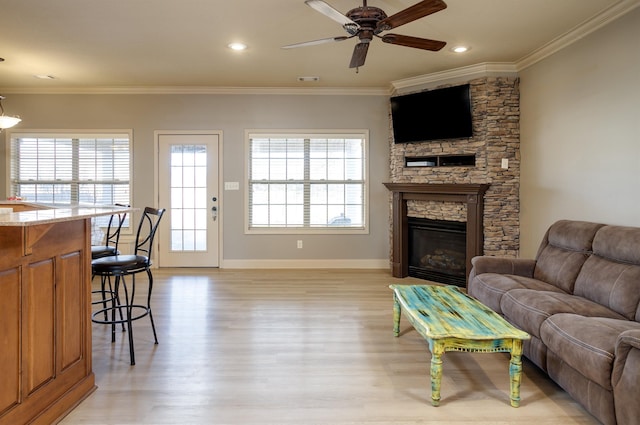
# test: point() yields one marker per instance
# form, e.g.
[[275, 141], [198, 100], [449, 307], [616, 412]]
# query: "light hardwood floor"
[[297, 347]]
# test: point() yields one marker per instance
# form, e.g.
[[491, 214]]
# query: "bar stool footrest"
[[145, 312], [111, 294]]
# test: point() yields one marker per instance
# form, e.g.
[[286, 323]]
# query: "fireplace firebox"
[[437, 250]]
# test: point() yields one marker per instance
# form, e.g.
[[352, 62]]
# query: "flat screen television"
[[432, 115]]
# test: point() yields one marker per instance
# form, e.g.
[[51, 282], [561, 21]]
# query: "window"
[[64, 169], [306, 183]]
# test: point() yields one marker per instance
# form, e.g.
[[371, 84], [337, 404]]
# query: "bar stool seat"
[[99, 251], [120, 264]]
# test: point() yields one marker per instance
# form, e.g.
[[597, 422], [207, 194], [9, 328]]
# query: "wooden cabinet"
[[45, 327]]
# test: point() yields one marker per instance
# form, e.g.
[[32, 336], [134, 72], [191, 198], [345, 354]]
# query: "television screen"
[[432, 115]]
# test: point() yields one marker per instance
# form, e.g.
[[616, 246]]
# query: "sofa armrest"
[[624, 379], [502, 265]]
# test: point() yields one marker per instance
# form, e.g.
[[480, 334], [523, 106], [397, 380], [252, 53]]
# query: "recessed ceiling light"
[[238, 46], [307, 79], [45, 77], [460, 49]]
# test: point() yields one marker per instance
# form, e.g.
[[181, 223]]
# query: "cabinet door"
[[39, 324], [56, 310], [71, 297], [10, 338]]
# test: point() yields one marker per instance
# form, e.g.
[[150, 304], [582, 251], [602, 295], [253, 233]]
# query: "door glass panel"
[[188, 198]]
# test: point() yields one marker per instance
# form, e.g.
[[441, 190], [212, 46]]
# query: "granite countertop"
[[53, 214]]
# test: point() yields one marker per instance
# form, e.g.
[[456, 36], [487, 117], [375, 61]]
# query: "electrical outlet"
[[299, 244], [505, 163]]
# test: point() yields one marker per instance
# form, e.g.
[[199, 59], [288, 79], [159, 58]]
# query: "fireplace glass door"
[[437, 250]]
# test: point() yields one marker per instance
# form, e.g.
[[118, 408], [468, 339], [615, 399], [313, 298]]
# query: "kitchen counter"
[[29, 214], [45, 309]]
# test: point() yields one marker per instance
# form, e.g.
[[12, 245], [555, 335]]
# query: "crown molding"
[[328, 91], [464, 74], [582, 30], [457, 75]]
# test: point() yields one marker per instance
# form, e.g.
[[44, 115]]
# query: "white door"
[[188, 189]]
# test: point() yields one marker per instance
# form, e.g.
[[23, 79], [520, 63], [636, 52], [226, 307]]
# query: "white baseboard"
[[305, 264]]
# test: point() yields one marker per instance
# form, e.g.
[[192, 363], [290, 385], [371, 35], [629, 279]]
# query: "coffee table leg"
[[396, 315], [437, 350], [515, 372]]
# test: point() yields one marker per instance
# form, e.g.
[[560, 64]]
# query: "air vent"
[[308, 79]]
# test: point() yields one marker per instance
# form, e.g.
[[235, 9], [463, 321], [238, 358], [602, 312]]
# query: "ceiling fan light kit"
[[367, 22]]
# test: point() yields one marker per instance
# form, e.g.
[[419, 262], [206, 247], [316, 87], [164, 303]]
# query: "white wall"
[[580, 133], [233, 114]]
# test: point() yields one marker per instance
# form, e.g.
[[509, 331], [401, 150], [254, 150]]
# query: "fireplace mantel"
[[470, 194]]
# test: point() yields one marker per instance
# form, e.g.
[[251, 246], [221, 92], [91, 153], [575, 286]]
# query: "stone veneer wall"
[[496, 135]]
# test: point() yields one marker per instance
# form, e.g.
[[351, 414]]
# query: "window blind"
[[307, 181], [68, 169]]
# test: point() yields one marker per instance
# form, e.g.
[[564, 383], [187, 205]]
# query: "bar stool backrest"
[[112, 239], [147, 230], [114, 229]]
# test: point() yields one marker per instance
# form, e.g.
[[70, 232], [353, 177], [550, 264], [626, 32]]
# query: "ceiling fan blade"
[[329, 11], [411, 13], [315, 42], [415, 42], [359, 55]]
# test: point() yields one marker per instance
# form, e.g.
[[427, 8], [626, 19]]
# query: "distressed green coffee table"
[[451, 320]]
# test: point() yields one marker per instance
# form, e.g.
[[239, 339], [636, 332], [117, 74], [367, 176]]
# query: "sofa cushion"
[[618, 243], [529, 308], [611, 276], [489, 288], [587, 344], [564, 249]]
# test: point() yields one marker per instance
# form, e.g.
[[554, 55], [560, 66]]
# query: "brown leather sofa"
[[579, 299]]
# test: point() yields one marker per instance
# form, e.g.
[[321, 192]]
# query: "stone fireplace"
[[488, 162]]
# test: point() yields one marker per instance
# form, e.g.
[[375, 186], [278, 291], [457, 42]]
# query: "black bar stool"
[[110, 247], [120, 266]]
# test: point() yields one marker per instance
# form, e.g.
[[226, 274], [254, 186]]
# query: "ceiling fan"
[[365, 22]]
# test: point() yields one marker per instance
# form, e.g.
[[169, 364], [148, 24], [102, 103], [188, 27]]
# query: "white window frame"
[[306, 133], [66, 134]]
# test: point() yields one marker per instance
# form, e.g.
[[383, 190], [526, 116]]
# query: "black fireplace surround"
[[437, 250]]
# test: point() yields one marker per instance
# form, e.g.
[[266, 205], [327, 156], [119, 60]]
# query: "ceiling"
[[156, 44]]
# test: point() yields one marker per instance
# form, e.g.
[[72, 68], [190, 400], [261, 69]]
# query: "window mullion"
[[307, 182], [75, 170]]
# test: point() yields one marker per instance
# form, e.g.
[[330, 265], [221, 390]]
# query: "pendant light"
[[7, 121]]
